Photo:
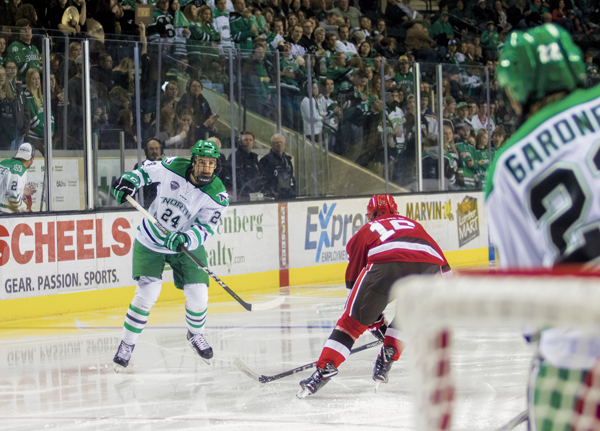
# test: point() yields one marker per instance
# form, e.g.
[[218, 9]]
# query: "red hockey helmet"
[[380, 205]]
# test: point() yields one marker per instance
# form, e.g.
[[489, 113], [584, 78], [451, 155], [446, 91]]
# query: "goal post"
[[429, 307]]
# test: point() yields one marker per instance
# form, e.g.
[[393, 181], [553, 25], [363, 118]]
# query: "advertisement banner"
[[58, 254], [456, 221]]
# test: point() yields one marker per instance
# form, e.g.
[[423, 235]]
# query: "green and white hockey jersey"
[[180, 205], [543, 204], [25, 57], [13, 177], [543, 188]]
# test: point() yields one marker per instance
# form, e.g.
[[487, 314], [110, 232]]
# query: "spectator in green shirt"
[[490, 40], [22, 52], [441, 31]]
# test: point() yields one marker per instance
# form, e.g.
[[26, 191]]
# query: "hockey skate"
[[383, 364], [122, 357], [201, 346], [315, 382]]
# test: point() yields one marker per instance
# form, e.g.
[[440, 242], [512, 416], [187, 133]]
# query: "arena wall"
[[67, 264]]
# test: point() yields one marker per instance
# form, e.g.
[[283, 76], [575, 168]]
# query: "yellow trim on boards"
[[246, 285], [119, 298]]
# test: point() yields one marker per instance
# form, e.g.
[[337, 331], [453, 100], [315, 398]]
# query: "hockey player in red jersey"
[[385, 249]]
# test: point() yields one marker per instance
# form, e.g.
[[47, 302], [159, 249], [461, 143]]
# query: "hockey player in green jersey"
[[190, 201], [543, 206]]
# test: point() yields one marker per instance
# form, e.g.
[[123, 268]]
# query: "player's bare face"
[[203, 167]]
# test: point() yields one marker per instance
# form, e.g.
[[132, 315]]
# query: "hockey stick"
[[261, 378], [250, 307], [517, 420]]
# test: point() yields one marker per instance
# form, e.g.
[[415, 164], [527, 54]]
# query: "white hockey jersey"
[[543, 205], [13, 178], [543, 192], [179, 205]]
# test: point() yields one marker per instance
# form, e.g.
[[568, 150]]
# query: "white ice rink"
[[57, 374]]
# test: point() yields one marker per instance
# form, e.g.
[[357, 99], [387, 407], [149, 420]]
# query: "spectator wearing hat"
[[15, 195], [490, 40], [482, 13], [462, 110], [441, 31], [404, 77], [22, 52]]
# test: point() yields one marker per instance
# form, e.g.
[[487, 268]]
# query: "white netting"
[[428, 307]]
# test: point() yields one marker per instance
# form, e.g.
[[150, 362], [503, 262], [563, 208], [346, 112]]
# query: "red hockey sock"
[[340, 342], [396, 344]]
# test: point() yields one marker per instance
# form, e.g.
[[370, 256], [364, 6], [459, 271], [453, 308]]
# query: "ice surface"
[[56, 373]]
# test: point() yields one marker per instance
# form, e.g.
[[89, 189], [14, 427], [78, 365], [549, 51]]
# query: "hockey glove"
[[126, 185], [175, 239]]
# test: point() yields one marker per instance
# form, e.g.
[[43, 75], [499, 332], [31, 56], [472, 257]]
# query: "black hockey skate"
[[122, 357], [383, 364], [201, 346], [315, 382]]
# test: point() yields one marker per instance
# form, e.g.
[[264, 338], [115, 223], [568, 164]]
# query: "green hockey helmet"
[[205, 149], [539, 62]]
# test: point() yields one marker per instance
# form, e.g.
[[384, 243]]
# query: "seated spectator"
[[123, 73], [343, 45], [23, 53], [482, 13], [517, 14], [500, 14], [307, 35], [103, 73], [329, 111], [203, 34], [247, 174], [277, 171], [404, 77], [242, 31], [498, 137], [3, 49], [118, 100], [179, 74], [169, 97], [462, 17], [481, 121], [35, 110], [454, 181], [419, 42], [319, 9], [295, 41], [125, 124], [171, 133], [329, 24], [153, 149], [441, 31], [344, 10], [195, 102]]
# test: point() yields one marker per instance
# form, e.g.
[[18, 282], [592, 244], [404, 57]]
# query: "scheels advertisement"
[[48, 255]]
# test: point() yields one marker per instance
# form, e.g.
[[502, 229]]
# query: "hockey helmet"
[[381, 205], [539, 62], [205, 149]]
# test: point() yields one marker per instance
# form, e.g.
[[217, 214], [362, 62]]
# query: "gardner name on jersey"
[[180, 205]]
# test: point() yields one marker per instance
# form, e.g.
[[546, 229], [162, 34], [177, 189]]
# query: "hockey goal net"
[[429, 309]]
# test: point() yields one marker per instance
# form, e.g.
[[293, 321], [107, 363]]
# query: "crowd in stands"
[[326, 69]]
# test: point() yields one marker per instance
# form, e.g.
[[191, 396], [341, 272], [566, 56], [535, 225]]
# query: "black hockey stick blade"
[[250, 307], [261, 378], [517, 420]]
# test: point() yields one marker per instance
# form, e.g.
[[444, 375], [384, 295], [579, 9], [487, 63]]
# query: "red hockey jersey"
[[391, 238]]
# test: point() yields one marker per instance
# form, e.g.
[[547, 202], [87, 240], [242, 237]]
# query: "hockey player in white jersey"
[[190, 201], [543, 202]]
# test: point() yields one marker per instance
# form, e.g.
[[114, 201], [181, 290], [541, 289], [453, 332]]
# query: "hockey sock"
[[135, 321], [195, 320], [196, 302], [146, 294], [337, 347]]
